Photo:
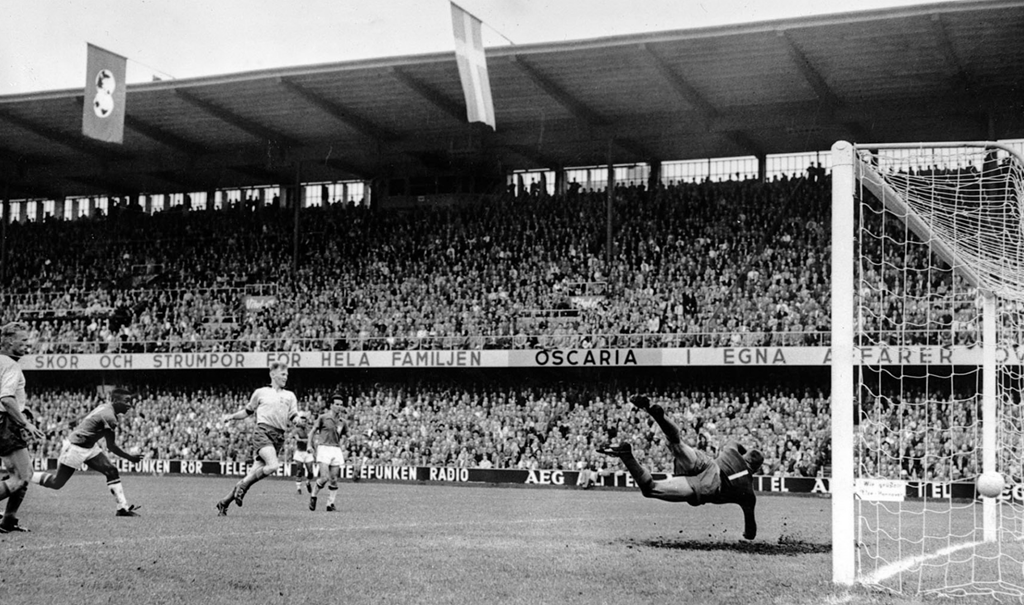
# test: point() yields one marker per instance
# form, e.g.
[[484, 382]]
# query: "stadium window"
[[198, 200], [685, 171]]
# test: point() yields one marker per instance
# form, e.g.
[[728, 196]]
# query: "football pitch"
[[402, 543]]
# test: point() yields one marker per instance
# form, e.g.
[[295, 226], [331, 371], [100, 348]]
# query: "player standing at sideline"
[[698, 479], [83, 447], [325, 436], [15, 424], [303, 459], [274, 407]]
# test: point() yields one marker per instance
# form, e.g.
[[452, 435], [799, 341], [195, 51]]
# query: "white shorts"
[[331, 455], [76, 455], [302, 456]]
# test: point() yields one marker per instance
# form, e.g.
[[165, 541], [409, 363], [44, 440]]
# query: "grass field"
[[400, 543]]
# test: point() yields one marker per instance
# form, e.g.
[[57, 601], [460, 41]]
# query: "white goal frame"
[[849, 172]]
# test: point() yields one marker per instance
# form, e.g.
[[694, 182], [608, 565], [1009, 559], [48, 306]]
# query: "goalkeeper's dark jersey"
[[737, 481], [737, 485]]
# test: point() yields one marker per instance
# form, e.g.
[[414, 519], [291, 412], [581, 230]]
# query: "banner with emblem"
[[105, 87]]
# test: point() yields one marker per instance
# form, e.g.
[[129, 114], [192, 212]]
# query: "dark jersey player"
[[83, 447], [325, 437], [698, 479]]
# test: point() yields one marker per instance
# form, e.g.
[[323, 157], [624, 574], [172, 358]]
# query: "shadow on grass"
[[784, 546]]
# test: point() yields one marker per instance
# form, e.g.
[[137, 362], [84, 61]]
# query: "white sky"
[[43, 42]]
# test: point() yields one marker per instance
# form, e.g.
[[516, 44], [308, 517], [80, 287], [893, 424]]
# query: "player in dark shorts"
[[698, 479], [302, 463], [83, 447], [274, 407]]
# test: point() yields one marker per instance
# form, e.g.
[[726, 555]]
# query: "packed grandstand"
[[733, 263]]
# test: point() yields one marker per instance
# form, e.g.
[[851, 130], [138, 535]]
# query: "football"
[[991, 484]]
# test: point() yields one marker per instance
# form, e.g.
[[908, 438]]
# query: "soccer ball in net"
[[991, 484]]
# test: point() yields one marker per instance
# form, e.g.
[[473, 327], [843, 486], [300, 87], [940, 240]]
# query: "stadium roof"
[[950, 71]]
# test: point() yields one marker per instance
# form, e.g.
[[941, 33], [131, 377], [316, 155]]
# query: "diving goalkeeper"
[[698, 479]]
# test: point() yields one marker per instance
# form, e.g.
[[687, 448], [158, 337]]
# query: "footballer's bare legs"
[[102, 464], [54, 480], [15, 487], [266, 464], [685, 456], [672, 489]]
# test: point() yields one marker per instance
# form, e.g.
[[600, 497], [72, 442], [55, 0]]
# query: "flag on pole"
[[469, 52], [105, 87]]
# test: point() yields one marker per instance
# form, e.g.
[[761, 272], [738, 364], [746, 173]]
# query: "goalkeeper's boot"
[[640, 401], [620, 450], [330, 508], [239, 495], [222, 509]]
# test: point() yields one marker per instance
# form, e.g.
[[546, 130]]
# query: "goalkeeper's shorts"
[[705, 477]]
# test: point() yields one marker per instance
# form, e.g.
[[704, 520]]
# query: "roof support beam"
[[429, 93], [557, 93], [163, 137], [248, 126], [962, 82], [682, 88], [76, 141], [817, 82], [156, 134], [338, 112]]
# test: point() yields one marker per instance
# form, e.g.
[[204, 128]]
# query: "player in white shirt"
[[275, 407], [16, 427]]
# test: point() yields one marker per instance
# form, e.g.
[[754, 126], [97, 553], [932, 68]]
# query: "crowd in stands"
[[730, 263], [545, 426], [712, 263]]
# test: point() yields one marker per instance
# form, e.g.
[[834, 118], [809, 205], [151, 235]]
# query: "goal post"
[[927, 278]]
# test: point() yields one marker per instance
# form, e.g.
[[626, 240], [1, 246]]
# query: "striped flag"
[[469, 52], [103, 109]]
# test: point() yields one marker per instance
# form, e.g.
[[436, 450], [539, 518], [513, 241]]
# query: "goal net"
[[928, 326]]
